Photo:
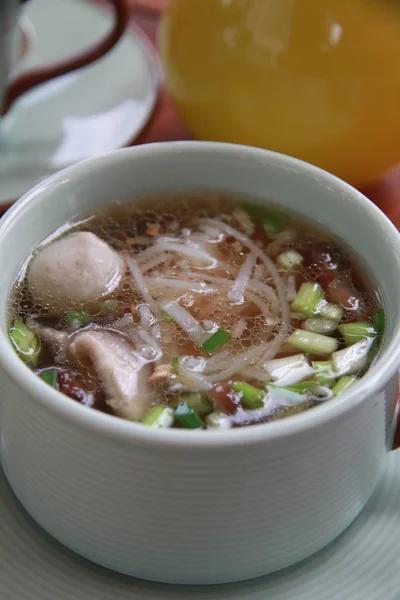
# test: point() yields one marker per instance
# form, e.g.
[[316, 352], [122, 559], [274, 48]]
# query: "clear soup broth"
[[197, 312]]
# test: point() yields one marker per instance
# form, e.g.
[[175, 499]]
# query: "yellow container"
[[317, 79]]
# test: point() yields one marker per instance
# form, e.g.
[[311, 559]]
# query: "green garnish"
[[285, 396], [272, 224], [109, 306], [343, 384], [198, 402], [77, 318], [218, 339], [356, 332], [307, 299], [289, 260], [26, 342], [379, 326], [312, 343], [175, 364], [50, 377], [301, 388], [323, 372], [250, 395], [159, 417], [323, 326], [166, 317], [187, 416], [333, 312]]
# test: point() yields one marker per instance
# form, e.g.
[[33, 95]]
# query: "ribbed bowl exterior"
[[216, 507]]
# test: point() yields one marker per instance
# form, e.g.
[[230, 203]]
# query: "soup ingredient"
[[218, 339], [26, 342], [159, 417], [187, 416], [73, 270], [123, 374], [313, 343], [343, 384], [210, 325], [50, 377], [356, 332]]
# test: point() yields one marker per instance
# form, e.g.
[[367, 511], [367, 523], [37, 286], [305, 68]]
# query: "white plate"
[[363, 564], [86, 113]]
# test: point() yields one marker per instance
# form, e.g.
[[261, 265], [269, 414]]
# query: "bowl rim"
[[130, 432]]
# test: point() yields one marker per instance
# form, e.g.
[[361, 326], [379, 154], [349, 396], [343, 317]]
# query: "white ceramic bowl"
[[191, 506]]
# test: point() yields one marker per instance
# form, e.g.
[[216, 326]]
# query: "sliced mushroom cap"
[[74, 270], [123, 374]]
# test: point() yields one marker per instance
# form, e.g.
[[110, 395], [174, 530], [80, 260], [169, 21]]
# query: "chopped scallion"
[[198, 402], [323, 372], [282, 396], [313, 343], [323, 326], [343, 384], [218, 339], [250, 395], [272, 224], [289, 260], [175, 364], [166, 317], [333, 312], [187, 416], [352, 359], [302, 387], [308, 298], [50, 377], [379, 321], [26, 342], [159, 417], [289, 370], [356, 332], [77, 318]]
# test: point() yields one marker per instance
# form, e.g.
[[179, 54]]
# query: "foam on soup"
[[195, 311]]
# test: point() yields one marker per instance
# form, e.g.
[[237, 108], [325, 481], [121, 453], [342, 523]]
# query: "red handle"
[[27, 81]]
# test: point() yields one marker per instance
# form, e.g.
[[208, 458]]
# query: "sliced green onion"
[[198, 402], [323, 372], [26, 342], [289, 370], [218, 420], [175, 364], [379, 326], [250, 395], [343, 384], [356, 332], [166, 317], [272, 224], [312, 343], [159, 417], [218, 339], [379, 321], [187, 416], [323, 326], [333, 312], [302, 387], [289, 260], [352, 359], [308, 298], [50, 377], [320, 393], [109, 306], [77, 318], [282, 396]]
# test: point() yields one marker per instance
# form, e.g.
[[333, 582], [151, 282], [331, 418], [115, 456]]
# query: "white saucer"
[[363, 564], [89, 112]]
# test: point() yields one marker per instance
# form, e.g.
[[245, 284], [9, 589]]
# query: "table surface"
[[165, 125]]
